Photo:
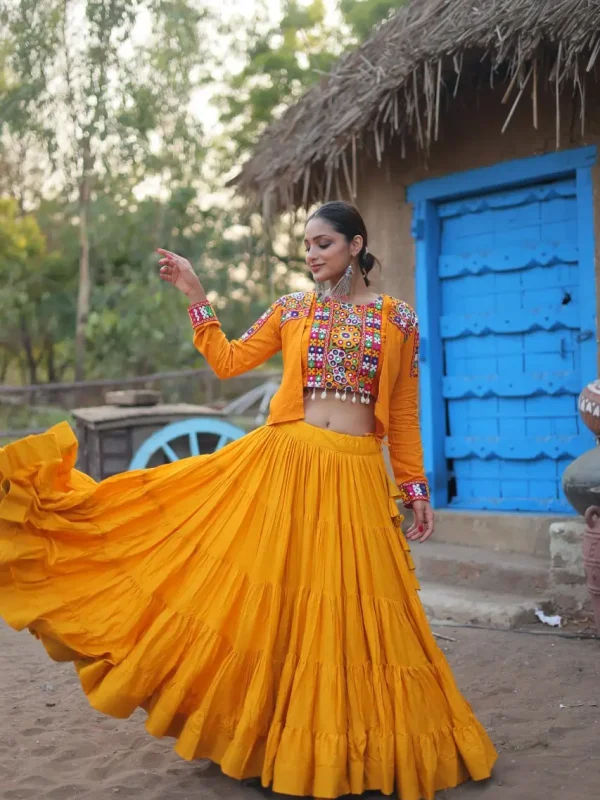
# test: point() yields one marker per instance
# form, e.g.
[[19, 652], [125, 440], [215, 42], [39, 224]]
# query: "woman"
[[260, 602]]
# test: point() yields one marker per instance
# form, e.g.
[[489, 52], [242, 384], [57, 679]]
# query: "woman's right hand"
[[178, 271]]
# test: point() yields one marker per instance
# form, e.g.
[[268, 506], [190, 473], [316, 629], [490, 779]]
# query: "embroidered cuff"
[[201, 313], [413, 490]]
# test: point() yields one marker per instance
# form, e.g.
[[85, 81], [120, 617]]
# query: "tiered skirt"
[[260, 603]]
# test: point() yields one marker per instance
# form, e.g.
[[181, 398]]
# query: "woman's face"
[[328, 252]]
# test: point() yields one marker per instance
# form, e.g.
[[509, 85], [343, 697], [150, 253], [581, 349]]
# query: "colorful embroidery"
[[413, 490], [295, 306], [403, 317], [201, 313], [344, 347], [414, 366]]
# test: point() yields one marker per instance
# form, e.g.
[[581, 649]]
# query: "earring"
[[343, 286]]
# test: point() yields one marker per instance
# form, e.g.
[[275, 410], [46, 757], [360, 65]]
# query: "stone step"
[[462, 606], [475, 568], [511, 533]]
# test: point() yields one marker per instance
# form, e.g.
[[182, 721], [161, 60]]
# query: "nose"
[[311, 255]]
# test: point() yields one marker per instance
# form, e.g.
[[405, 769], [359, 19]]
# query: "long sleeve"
[[230, 358], [406, 450]]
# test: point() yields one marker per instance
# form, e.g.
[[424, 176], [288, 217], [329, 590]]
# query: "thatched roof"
[[399, 82]]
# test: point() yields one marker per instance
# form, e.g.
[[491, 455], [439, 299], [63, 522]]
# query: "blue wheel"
[[190, 437]]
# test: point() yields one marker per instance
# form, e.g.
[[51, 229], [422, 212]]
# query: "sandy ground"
[[539, 697]]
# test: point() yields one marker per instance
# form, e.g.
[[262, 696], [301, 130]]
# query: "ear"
[[356, 245]]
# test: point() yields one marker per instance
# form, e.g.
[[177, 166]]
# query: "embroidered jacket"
[[354, 351]]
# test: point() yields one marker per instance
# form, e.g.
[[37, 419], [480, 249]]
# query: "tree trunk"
[[27, 346], [50, 364], [83, 296], [4, 365]]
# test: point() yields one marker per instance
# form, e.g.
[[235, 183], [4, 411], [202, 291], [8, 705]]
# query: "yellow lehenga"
[[259, 602]]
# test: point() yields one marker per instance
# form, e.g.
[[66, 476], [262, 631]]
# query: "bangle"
[[414, 490], [201, 313]]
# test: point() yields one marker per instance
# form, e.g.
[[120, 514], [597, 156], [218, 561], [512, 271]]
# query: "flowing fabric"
[[259, 602]]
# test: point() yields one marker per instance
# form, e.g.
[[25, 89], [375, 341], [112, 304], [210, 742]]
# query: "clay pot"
[[589, 407], [591, 558], [581, 481]]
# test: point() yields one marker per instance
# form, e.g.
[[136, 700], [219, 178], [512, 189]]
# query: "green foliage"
[[85, 102], [80, 99], [363, 15], [138, 323], [106, 111], [28, 280], [21, 243], [282, 61]]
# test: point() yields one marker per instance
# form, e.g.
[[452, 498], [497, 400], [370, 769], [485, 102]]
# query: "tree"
[[22, 278], [226, 252], [96, 110], [281, 60], [100, 155]]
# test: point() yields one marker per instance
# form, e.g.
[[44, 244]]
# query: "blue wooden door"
[[510, 300]]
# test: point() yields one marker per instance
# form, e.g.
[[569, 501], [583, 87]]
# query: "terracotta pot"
[[589, 407], [591, 558]]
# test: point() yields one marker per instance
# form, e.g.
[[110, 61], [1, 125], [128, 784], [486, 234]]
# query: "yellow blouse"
[[360, 353]]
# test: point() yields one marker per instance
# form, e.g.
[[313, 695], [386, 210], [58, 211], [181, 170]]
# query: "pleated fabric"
[[259, 602]]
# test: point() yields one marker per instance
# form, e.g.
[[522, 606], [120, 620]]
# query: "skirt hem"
[[360, 774]]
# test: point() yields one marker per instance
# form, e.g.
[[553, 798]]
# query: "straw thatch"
[[398, 83]]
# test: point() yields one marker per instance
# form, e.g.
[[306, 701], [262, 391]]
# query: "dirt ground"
[[539, 697]]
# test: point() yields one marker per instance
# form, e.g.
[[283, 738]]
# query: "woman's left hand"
[[423, 523]]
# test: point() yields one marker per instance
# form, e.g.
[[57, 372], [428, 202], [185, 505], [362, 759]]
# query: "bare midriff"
[[355, 419]]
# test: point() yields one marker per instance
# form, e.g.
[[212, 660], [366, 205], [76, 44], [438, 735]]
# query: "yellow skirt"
[[260, 603]]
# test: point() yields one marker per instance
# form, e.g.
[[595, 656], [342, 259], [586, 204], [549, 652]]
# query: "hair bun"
[[366, 261]]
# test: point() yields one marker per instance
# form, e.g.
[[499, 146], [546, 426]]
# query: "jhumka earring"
[[344, 285]]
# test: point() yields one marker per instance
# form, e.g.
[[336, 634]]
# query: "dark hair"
[[346, 219]]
